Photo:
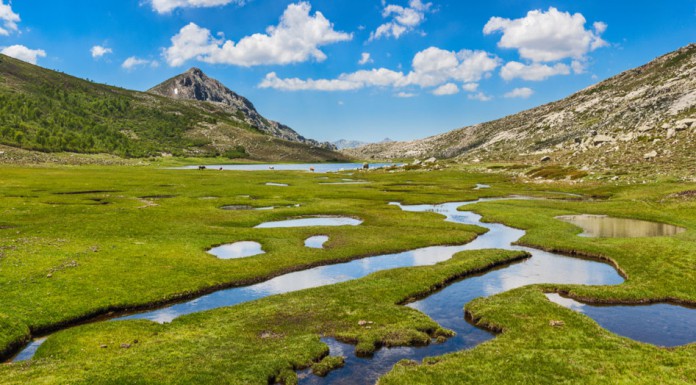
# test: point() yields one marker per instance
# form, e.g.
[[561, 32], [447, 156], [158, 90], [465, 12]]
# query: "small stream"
[[445, 306]]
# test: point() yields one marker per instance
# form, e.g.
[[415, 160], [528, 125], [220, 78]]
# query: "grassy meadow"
[[77, 243]]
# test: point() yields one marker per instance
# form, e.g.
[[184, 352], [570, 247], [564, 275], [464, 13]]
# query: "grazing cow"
[[366, 166], [311, 169], [201, 167]]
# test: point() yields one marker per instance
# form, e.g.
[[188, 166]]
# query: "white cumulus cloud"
[[8, 18], [405, 95], [166, 6], [134, 62], [480, 96], [365, 58], [23, 53], [402, 19], [446, 89], [98, 51], [548, 36], [295, 39], [533, 72], [470, 87], [522, 93], [432, 67]]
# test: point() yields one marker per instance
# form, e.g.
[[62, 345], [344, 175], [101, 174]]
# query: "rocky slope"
[[343, 144], [195, 85], [642, 118]]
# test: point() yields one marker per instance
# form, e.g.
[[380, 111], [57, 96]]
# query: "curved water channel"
[[445, 306]]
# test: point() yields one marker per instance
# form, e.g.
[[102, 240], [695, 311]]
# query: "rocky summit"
[[196, 85], [644, 117]]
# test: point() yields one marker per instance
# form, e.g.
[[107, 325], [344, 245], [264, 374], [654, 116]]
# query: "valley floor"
[[78, 244]]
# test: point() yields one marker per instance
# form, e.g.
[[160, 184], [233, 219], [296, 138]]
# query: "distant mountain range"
[[644, 117], [188, 115], [343, 144]]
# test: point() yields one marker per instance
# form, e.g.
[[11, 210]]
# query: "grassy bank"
[[82, 241], [256, 341]]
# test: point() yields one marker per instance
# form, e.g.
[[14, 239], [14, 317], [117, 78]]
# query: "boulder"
[[599, 139], [430, 160], [650, 155], [546, 158]]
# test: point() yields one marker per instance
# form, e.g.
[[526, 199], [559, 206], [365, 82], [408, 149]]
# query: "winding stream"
[[445, 306]]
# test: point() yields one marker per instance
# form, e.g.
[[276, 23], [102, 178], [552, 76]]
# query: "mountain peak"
[[195, 71], [195, 85]]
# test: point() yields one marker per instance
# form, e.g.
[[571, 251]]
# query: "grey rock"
[[195, 85]]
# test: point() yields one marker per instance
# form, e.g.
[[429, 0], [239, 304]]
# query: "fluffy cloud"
[[446, 89], [8, 18], [402, 19], [522, 93], [405, 95], [480, 96], [23, 53], [470, 87], [548, 36], [432, 67], [98, 51], [134, 62], [295, 39], [365, 58], [533, 72], [166, 6]]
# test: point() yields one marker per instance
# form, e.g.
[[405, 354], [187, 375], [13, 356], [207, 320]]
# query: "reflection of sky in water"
[[29, 351], [316, 242], [603, 226], [237, 250], [310, 222], [658, 324]]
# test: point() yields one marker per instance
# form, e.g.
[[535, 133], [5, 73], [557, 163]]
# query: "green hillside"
[[47, 111]]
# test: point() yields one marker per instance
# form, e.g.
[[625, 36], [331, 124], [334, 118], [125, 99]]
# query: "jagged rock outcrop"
[[195, 85], [611, 124]]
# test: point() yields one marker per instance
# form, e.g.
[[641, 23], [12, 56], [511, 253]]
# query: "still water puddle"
[[316, 242], [480, 186], [602, 226], [658, 324], [311, 222], [237, 250], [277, 184]]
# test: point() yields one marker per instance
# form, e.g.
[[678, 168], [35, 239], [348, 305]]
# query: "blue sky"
[[355, 69]]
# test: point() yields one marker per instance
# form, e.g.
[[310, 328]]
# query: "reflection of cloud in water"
[[298, 281], [547, 268], [237, 250], [565, 302], [163, 316]]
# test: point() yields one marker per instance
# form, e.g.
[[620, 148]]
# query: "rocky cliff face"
[[195, 85], [646, 115]]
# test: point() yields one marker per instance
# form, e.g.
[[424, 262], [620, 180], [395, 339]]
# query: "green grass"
[[83, 241], [255, 341]]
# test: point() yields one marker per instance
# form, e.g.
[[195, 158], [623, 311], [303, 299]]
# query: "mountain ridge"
[[194, 84], [642, 115]]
